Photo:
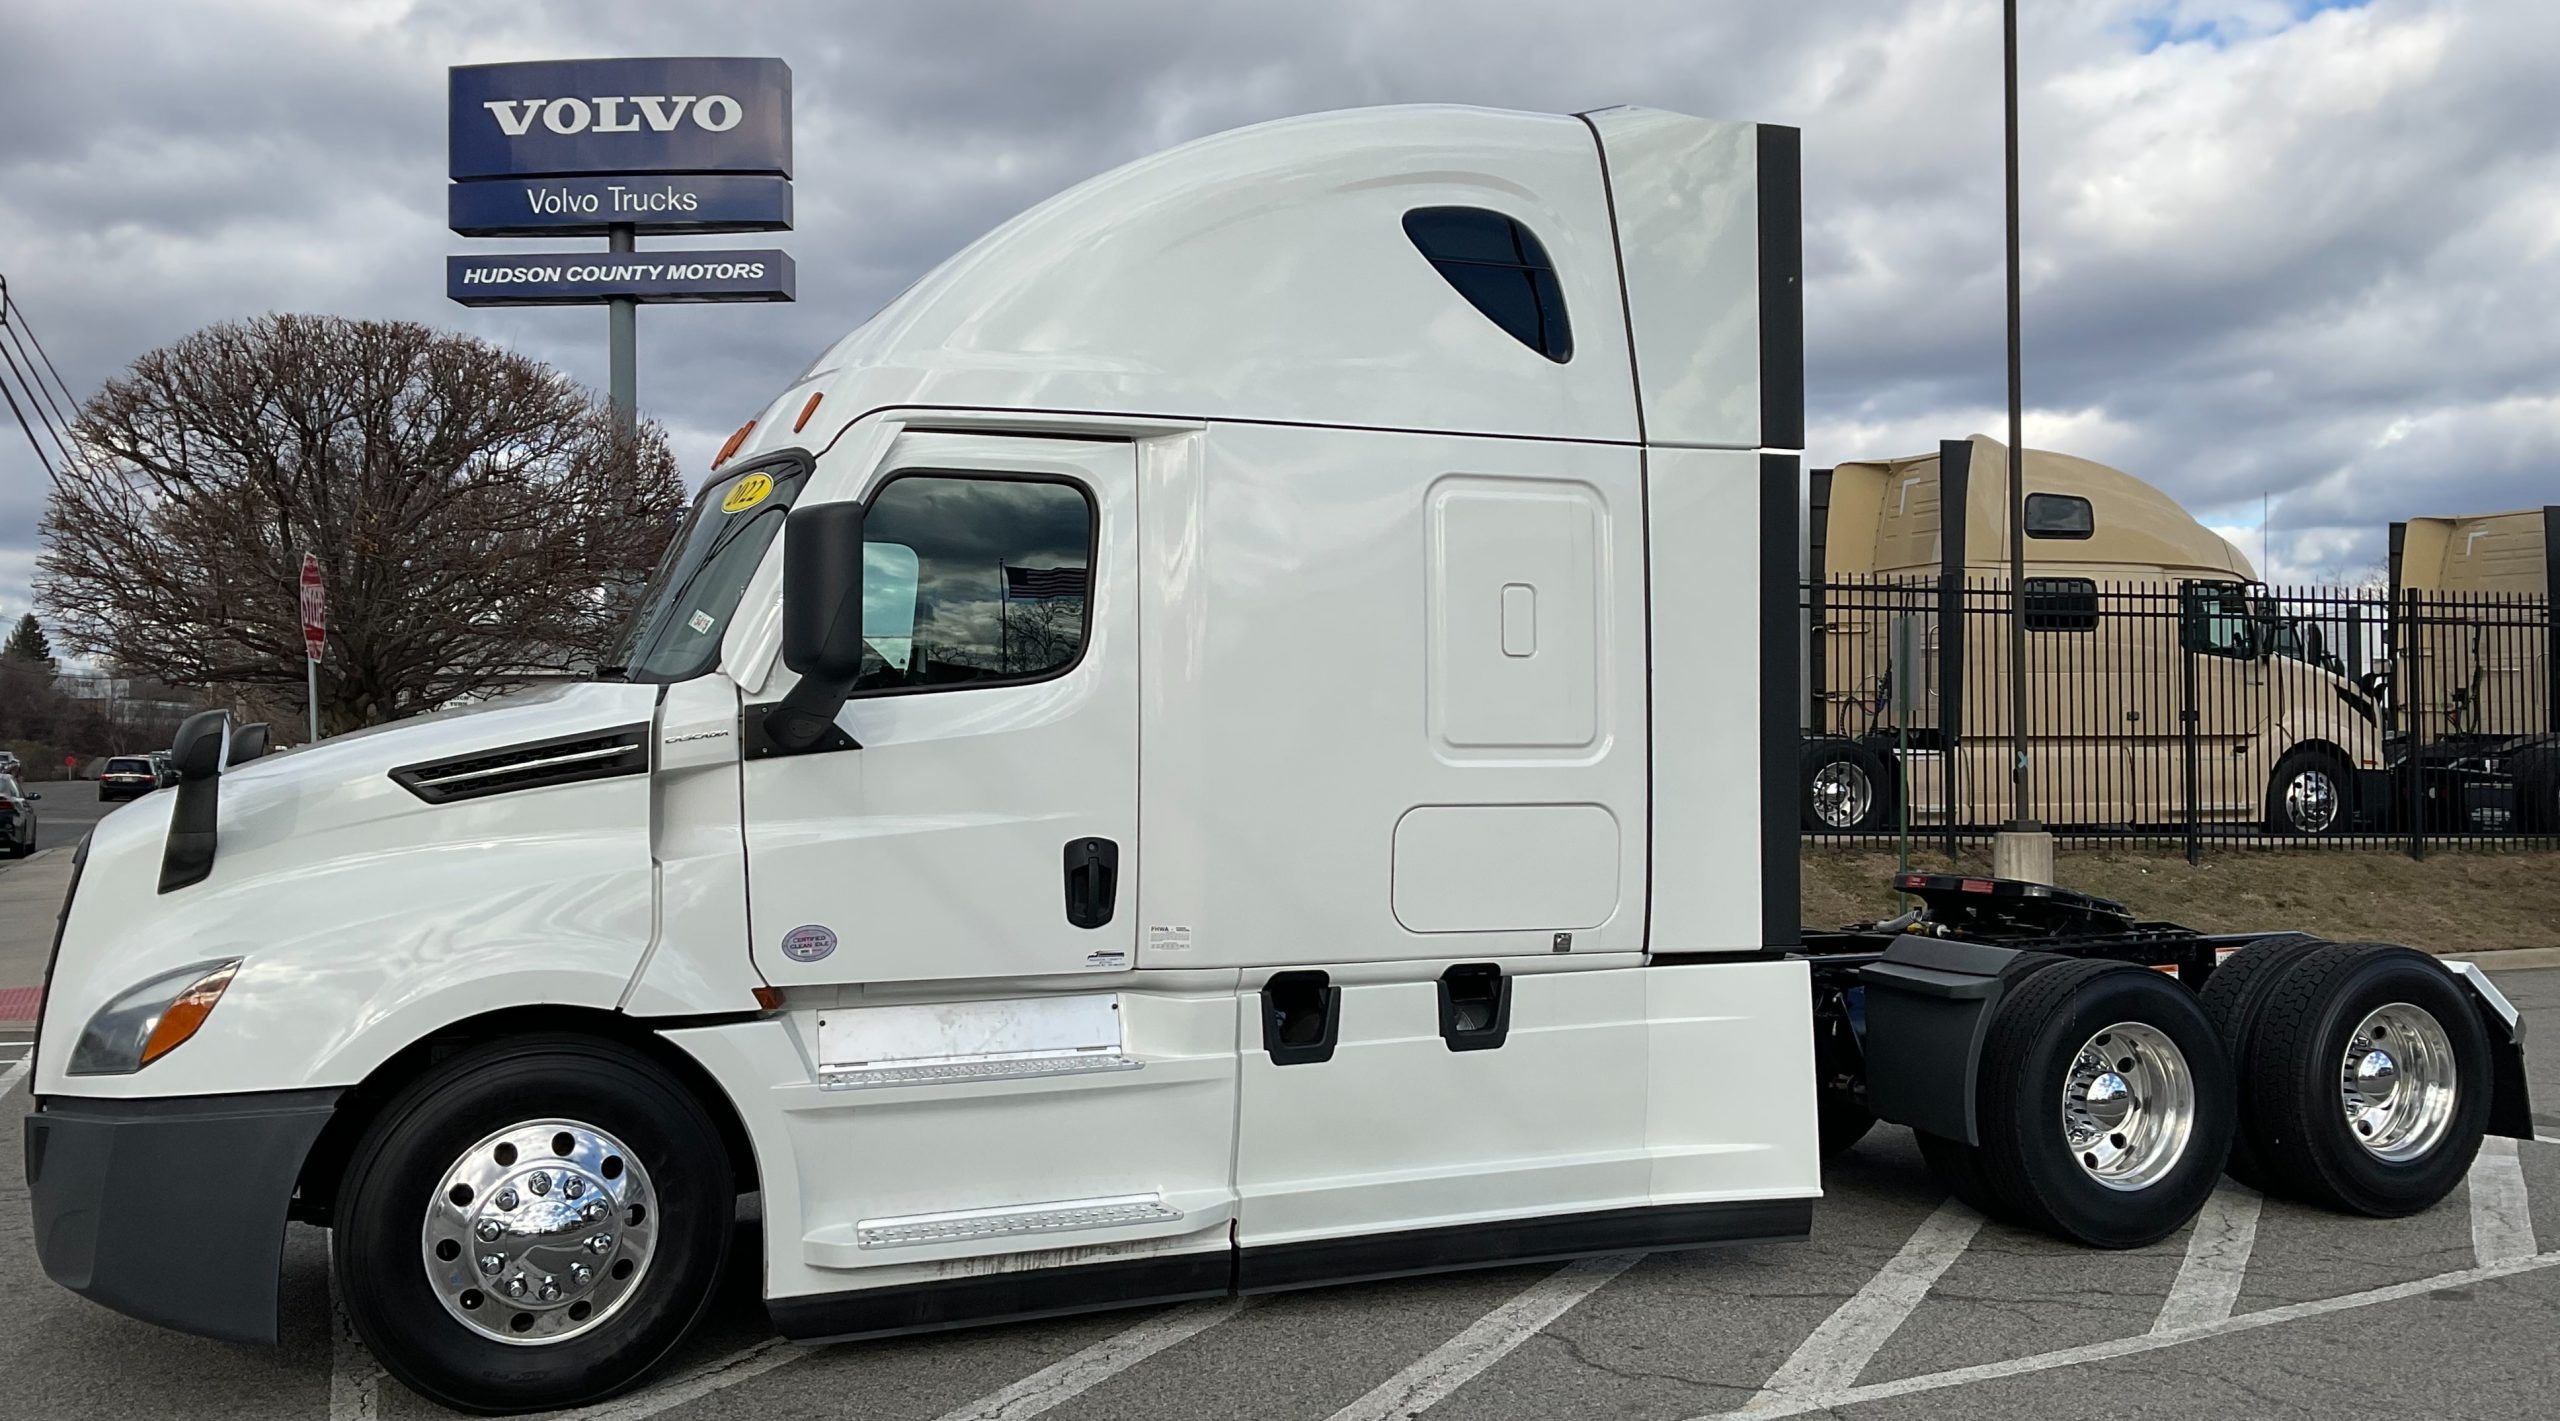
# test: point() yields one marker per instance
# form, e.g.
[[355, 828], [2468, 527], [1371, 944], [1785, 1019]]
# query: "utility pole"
[[2023, 849]]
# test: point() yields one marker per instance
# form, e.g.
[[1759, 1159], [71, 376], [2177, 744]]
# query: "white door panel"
[[938, 849]]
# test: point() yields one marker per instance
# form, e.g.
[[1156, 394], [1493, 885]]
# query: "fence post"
[[2190, 743], [2413, 788]]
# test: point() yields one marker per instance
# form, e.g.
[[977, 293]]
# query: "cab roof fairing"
[[1264, 274]]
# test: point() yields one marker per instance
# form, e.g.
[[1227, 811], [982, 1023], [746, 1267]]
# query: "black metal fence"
[[2182, 712]]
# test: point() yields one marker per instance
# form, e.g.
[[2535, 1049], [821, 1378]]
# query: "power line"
[[44, 460], [18, 336], [7, 305]]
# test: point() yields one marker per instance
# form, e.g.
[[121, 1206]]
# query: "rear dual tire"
[[2366, 1078], [2105, 1108]]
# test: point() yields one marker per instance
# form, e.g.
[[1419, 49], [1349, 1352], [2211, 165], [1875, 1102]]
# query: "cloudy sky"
[[2290, 247]]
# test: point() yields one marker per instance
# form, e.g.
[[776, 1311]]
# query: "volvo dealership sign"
[[593, 278], [619, 148], [560, 117]]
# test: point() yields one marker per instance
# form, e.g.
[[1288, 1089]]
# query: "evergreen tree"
[[28, 643]]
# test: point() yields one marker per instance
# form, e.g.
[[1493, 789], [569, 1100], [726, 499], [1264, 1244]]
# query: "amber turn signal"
[[807, 410], [187, 1013]]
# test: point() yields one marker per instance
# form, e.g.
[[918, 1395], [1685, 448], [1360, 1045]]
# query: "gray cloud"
[[2273, 245]]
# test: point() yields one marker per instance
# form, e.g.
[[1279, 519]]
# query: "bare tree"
[[476, 516]]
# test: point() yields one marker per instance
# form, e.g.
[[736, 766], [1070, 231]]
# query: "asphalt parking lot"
[[1902, 1304]]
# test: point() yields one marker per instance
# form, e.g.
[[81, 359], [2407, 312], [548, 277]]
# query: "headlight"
[[150, 1021]]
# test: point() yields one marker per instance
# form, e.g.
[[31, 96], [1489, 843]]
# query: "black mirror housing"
[[201, 745], [250, 742], [821, 623]]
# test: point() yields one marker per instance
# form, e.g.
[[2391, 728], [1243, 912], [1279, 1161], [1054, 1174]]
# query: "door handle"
[[1301, 1016], [1093, 881], [1475, 1007]]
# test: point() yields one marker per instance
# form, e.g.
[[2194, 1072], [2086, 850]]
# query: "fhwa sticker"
[[809, 943]]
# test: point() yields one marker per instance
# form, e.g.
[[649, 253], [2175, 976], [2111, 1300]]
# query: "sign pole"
[[622, 339], [315, 632]]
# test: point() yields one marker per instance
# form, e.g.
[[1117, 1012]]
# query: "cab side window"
[[973, 580]]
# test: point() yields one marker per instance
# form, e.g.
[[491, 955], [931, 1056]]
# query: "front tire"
[[1847, 788], [2370, 1074], [2308, 798], [492, 1270]]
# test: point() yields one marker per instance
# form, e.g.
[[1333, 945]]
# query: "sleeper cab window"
[[973, 580], [2062, 604], [2059, 515], [1500, 268]]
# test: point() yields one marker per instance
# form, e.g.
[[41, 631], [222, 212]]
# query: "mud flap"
[[1929, 1003]]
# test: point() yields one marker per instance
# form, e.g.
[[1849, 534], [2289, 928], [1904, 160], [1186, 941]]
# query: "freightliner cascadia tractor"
[[1240, 734]]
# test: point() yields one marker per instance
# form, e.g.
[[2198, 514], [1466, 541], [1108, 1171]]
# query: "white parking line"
[[2217, 1258], [9, 1077], [1072, 1377], [2132, 1346], [2501, 1219], [1847, 1340], [1049, 1387], [1462, 1358]]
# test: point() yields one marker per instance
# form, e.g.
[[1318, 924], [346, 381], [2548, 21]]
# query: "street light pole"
[[622, 355], [2023, 849]]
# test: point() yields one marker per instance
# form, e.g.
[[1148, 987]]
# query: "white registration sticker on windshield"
[[699, 621]]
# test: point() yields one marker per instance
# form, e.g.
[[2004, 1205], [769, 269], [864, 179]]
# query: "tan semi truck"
[[2137, 615], [2475, 659]]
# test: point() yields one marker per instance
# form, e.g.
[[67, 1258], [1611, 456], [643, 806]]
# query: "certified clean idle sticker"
[[749, 492], [809, 943]]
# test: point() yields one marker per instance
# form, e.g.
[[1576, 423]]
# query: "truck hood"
[[330, 877]]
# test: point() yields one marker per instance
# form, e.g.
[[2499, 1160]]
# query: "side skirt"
[[1054, 1292]]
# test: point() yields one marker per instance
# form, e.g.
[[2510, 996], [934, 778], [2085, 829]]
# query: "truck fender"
[[2511, 1098], [1930, 1002]]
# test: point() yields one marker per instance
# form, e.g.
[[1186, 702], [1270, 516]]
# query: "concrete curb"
[[2511, 959]]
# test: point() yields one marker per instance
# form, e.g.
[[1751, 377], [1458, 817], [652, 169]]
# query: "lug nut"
[[490, 1230], [572, 1187], [600, 1243], [539, 1183], [515, 1286], [507, 1199], [582, 1273], [490, 1263], [592, 1210], [550, 1289]]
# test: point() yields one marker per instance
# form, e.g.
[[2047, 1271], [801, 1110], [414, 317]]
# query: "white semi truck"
[[1197, 752]]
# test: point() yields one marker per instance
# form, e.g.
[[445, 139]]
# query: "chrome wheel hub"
[[539, 1232], [2397, 1083], [1842, 794], [2311, 801], [2128, 1106]]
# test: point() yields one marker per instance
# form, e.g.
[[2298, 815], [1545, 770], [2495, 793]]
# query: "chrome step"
[[1116, 1211]]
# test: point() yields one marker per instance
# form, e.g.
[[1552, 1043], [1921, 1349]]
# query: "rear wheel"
[[2106, 1107], [1846, 788], [2231, 999], [534, 1225], [2308, 796], [2370, 1073], [1842, 1122]]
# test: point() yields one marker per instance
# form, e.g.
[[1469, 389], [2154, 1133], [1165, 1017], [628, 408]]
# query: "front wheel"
[[535, 1224], [1847, 788], [2307, 798]]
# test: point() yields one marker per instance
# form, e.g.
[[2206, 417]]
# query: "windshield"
[[675, 634]]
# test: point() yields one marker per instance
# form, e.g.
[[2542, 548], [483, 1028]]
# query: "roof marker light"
[[734, 441], [807, 410]]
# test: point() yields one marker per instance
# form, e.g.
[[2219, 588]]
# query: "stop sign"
[[315, 614]]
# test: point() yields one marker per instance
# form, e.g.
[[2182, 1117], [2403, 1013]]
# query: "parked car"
[[163, 770], [128, 777], [9, 764], [17, 818]]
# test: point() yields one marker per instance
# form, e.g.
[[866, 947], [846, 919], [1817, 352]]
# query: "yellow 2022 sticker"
[[749, 492]]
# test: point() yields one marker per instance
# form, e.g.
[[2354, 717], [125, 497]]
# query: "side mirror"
[[821, 623], [198, 753], [2315, 647], [200, 748], [249, 742]]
